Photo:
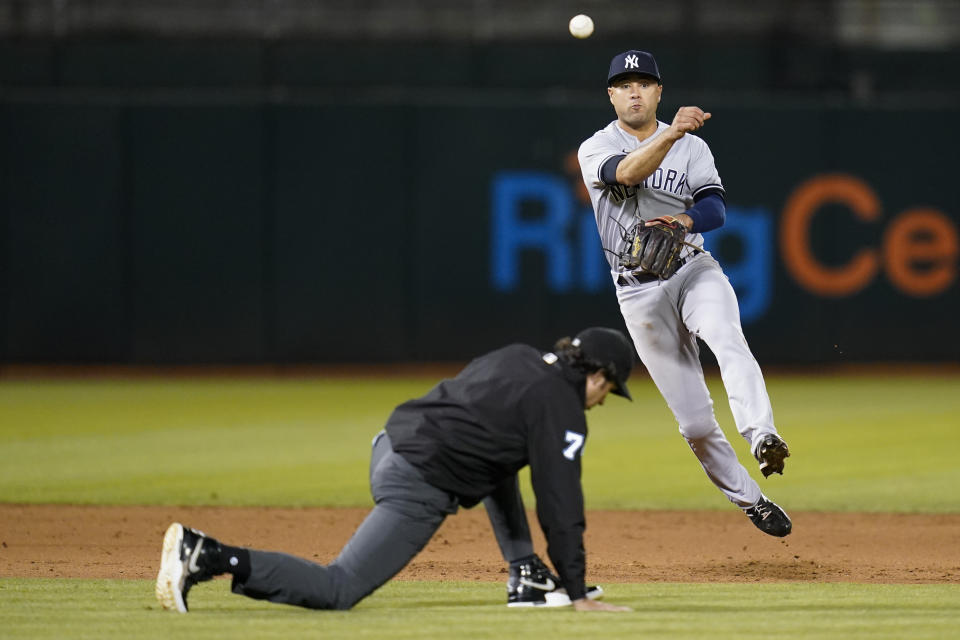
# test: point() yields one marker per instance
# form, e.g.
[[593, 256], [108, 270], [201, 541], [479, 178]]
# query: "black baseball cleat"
[[770, 452], [769, 517], [188, 557], [532, 584]]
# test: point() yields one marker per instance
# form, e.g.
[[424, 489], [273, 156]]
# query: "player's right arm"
[[637, 165]]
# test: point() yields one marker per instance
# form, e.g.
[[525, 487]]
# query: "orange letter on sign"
[[795, 235], [920, 251]]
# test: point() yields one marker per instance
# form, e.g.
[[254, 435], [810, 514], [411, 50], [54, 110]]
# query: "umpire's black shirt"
[[507, 409]]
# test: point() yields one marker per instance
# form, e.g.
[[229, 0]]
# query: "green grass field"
[[106, 609], [861, 444], [883, 444]]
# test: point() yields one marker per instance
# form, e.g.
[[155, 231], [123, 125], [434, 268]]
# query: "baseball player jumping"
[[465, 440], [655, 189]]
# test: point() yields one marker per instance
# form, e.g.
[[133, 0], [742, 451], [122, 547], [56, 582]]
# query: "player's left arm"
[[706, 214], [709, 205]]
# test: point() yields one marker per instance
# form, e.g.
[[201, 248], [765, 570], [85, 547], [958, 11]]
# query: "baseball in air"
[[581, 26]]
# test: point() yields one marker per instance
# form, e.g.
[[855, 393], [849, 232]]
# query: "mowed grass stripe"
[[42, 608]]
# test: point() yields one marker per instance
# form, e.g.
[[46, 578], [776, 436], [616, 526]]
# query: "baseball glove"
[[654, 247]]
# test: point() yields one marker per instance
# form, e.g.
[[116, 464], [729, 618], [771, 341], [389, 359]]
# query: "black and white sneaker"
[[187, 558], [769, 517], [559, 598], [532, 584], [770, 452]]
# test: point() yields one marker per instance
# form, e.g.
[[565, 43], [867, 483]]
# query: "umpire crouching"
[[509, 408]]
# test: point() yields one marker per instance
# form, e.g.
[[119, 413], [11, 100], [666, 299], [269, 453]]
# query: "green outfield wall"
[[245, 202]]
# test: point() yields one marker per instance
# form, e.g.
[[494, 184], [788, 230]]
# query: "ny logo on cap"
[[630, 62]]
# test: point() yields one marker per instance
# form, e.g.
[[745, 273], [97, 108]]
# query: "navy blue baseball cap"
[[611, 349], [633, 61]]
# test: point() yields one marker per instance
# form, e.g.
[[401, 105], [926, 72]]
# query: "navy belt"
[[642, 277]]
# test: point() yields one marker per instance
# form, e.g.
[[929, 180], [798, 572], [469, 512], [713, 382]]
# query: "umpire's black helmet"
[[613, 351]]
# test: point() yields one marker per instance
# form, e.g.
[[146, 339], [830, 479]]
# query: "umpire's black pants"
[[408, 512]]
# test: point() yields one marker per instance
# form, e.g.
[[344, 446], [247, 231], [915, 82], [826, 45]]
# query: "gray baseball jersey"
[[687, 169], [666, 318]]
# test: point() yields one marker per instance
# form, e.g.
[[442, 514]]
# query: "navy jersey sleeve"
[[608, 171], [557, 433]]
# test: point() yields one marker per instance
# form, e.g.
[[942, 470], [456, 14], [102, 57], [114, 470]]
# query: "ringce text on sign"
[[538, 212]]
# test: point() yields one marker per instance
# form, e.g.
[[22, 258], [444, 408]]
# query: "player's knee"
[[348, 589], [725, 338], [698, 429], [717, 331]]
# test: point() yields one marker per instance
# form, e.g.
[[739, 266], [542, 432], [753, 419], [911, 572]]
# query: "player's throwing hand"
[[689, 119]]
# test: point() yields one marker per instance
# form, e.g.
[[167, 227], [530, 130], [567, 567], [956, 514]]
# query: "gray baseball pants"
[[665, 319], [509, 520], [408, 511]]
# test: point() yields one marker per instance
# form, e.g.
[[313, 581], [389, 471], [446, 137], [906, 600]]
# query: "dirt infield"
[[67, 541]]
